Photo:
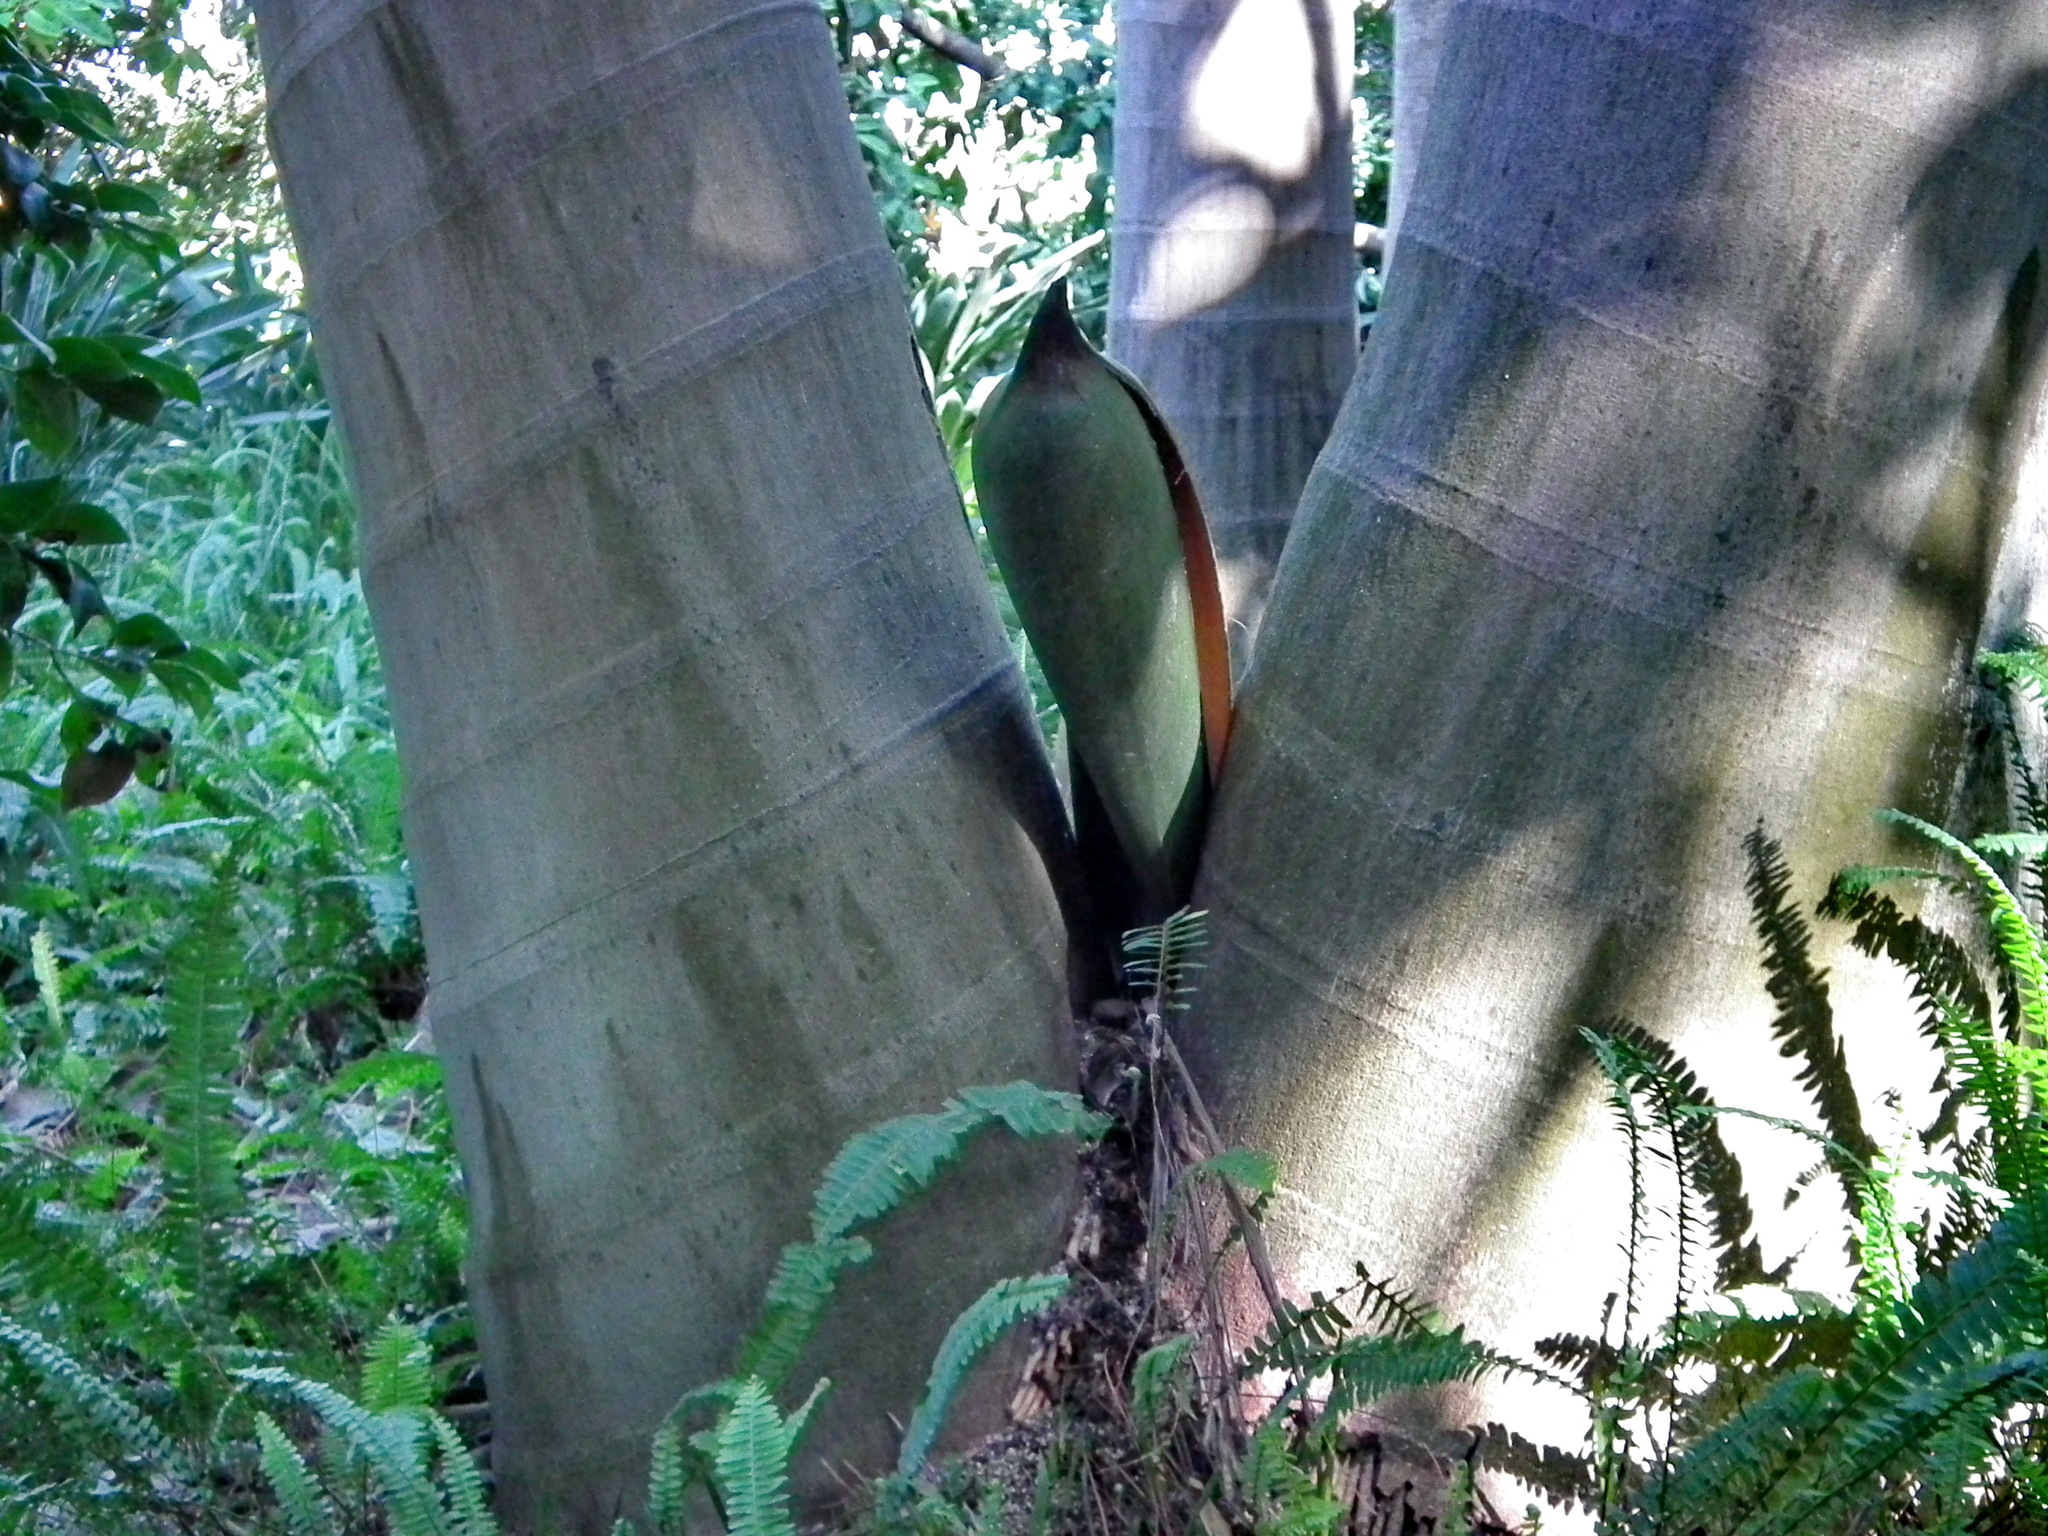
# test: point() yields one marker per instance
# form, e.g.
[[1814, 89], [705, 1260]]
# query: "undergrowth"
[[156, 1287]]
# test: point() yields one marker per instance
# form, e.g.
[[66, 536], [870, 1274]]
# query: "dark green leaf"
[[6, 664], [22, 95], [82, 112], [147, 632], [124, 197], [222, 674], [167, 376], [83, 720], [83, 358], [228, 315], [19, 166], [95, 777], [133, 399], [153, 762], [54, 570], [14, 584], [47, 409], [125, 673], [36, 207], [24, 503], [185, 684], [78, 522]]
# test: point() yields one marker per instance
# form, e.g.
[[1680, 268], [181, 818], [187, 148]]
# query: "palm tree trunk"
[[1232, 288], [1670, 499], [1418, 44], [723, 792]]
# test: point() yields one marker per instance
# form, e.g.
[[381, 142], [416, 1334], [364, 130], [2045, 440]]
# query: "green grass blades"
[[1080, 511]]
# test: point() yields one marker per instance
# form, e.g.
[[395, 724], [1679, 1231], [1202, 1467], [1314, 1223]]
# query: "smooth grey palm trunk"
[[724, 796], [1685, 460], [1232, 292], [1418, 44]]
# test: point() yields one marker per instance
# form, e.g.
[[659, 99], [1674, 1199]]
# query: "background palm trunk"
[[1670, 499], [1418, 44], [723, 795], [1233, 283]]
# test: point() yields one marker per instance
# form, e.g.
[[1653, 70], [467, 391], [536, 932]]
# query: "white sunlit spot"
[[1254, 96], [1211, 247]]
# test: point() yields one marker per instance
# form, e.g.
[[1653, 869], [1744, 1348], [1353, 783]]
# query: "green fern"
[[668, 1481], [804, 1280], [999, 1308], [45, 1267], [1364, 1370], [465, 1488], [202, 1020], [388, 1443], [42, 949], [2004, 1077], [1282, 1499], [1159, 1380], [2017, 944], [1731, 1468], [398, 1369], [76, 1388], [306, 1509], [876, 1172], [752, 1450], [1027, 1110], [879, 1170]]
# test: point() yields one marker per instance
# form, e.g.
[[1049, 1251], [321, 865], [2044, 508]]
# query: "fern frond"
[[1283, 1499], [398, 1370], [1734, 1466], [1805, 1022], [307, 1511], [389, 1444], [2018, 945], [47, 1266], [460, 1477], [752, 1458], [1563, 1476], [1299, 1338], [804, 1280], [197, 1139], [1383, 1306], [1368, 1368], [1028, 1110], [42, 950], [2023, 667], [667, 1482], [1159, 961], [1156, 1378], [1965, 1339], [1705, 1161], [1003, 1305], [877, 1170], [872, 1175], [1956, 1012], [70, 1385]]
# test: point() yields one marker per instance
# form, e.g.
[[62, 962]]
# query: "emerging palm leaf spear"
[[1095, 524]]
